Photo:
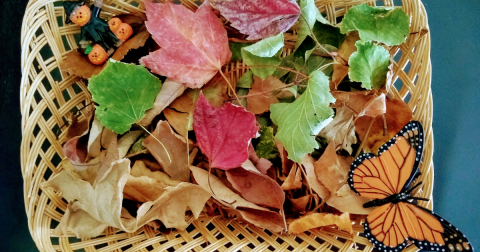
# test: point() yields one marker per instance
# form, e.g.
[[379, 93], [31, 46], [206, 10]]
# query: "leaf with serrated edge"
[[124, 92], [309, 14], [369, 65], [387, 25], [300, 121]]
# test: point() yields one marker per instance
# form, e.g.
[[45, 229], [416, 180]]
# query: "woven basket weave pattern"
[[49, 97]]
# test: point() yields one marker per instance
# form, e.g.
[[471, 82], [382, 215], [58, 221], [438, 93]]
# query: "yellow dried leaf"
[[317, 220]]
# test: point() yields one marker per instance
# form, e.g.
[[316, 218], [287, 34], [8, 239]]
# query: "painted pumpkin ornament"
[[388, 179], [99, 37]]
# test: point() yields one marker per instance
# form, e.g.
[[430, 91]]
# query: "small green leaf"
[[242, 92], [246, 80], [266, 145], [267, 47], [266, 66], [124, 92], [309, 14], [386, 25], [329, 36], [236, 49], [300, 121], [369, 65]]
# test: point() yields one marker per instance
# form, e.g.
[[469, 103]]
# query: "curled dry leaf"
[[397, 115], [341, 130], [345, 200], [346, 49], [253, 187], [305, 203], [144, 185], [294, 179], [169, 92], [224, 133], [177, 165], [313, 182], [263, 94], [259, 216], [77, 128], [110, 156], [321, 220], [194, 46], [332, 169], [259, 19], [103, 203]]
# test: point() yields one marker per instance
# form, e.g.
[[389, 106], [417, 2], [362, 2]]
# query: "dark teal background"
[[454, 26]]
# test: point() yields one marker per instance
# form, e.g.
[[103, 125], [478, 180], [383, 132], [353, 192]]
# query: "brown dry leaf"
[[341, 130], [321, 220], [110, 156], [313, 182], [257, 188], [169, 92], [294, 179], [77, 128], [302, 203], [286, 163], [259, 216], [94, 138], [104, 203], [139, 169], [332, 169], [135, 42], [148, 186], [79, 65], [363, 103], [178, 120], [346, 200], [261, 96], [220, 191], [346, 49], [176, 146], [374, 107], [398, 115], [270, 220]]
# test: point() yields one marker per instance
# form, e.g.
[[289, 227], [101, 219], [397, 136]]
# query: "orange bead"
[[81, 15], [124, 32], [114, 24], [98, 55]]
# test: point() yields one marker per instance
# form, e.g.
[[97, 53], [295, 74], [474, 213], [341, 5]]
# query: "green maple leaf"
[[265, 53], [369, 65], [387, 25], [266, 145], [300, 121], [124, 92]]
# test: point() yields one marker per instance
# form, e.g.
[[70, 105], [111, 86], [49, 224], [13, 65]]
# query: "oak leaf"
[[259, 19], [194, 46], [224, 133]]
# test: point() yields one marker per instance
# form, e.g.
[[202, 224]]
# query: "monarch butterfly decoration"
[[388, 179]]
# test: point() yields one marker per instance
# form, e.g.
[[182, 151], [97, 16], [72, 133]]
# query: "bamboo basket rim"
[[47, 100]]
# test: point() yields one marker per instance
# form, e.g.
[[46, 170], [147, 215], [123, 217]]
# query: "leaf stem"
[[316, 41], [231, 87], [266, 92], [168, 155], [213, 193]]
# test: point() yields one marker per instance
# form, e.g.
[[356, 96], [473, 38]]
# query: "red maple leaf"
[[223, 134], [194, 46], [259, 18]]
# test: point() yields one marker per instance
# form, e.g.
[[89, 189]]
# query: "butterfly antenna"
[[413, 188], [417, 198]]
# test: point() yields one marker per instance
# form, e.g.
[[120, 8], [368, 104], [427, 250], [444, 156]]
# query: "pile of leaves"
[[171, 134]]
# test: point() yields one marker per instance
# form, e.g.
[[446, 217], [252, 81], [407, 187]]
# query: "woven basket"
[[49, 97]]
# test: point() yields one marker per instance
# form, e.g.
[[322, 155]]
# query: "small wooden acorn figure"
[[98, 37]]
